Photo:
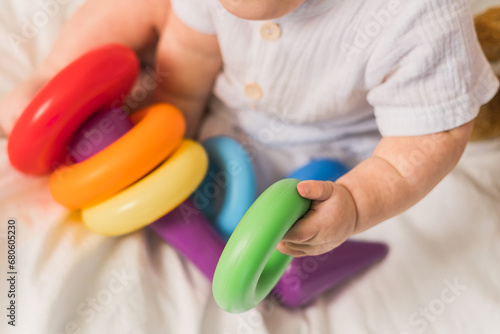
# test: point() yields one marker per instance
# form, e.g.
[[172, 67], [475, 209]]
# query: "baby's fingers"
[[307, 237], [298, 250], [304, 231], [329, 222], [285, 248]]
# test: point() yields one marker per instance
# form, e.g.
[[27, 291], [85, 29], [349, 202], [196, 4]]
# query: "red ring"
[[95, 81]]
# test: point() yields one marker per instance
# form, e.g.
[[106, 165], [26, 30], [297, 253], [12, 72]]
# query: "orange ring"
[[158, 132]]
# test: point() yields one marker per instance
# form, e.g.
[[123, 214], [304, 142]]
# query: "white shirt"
[[416, 65], [336, 70]]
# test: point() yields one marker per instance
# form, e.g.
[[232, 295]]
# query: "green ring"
[[250, 266]]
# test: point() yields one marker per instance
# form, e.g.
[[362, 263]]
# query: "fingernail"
[[305, 188]]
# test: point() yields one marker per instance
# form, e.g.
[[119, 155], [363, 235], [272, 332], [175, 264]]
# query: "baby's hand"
[[329, 222]]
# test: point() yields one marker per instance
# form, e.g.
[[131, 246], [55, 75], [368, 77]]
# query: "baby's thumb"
[[316, 190]]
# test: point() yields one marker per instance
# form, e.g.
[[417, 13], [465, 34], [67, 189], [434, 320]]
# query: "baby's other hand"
[[329, 222]]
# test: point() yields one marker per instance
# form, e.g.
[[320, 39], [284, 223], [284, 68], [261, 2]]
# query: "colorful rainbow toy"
[[127, 173]]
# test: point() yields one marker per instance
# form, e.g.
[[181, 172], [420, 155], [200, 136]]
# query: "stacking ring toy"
[[93, 82], [320, 170], [151, 197], [185, 228], [158, 132], [250, 266], [191, 234], [231, 180]]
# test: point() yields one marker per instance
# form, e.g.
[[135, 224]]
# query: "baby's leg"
[[130, 22]]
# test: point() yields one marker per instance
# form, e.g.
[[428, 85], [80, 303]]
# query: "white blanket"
[[441, 275]]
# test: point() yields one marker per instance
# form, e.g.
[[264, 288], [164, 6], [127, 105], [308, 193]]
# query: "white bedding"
[[441, 275]]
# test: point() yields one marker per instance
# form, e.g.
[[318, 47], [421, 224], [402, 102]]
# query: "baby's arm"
[[401, 171], [129, 22], [192, 61]]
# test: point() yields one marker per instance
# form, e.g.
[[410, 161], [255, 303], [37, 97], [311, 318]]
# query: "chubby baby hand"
[[329, 222]]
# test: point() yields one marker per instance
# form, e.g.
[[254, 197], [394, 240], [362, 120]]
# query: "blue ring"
[[231, 198], [320, 170]]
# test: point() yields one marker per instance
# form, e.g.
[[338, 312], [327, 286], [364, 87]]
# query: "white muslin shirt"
[[329, 78]]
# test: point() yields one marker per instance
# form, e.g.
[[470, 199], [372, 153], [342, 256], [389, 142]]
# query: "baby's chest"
[[289, 60]]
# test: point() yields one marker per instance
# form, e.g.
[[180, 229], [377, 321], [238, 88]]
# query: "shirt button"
[[253, 91], [270, 31]]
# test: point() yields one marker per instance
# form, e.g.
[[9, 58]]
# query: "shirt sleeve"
[[428, 73], [196, 14]]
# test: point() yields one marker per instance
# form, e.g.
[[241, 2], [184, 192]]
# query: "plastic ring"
[[230, 181], [191, 234], [309, 276], [89, 84], [250, 266], [98, 132], [320, 170], [153, 196], [158, 132]]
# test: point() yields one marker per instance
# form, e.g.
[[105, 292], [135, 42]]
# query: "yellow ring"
[[153, 196]]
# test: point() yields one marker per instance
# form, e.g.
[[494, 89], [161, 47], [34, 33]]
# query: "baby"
[[388, 86]]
